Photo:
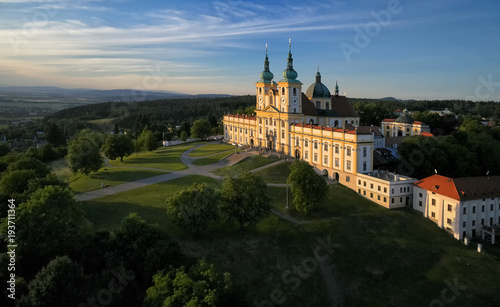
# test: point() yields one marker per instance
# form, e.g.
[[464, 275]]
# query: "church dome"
[[405, 118], [318, 89]]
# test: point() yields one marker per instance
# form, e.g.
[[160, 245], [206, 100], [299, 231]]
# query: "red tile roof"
[[241, 116], [349, 130], [425, 133], [388, 120], [465, 188]]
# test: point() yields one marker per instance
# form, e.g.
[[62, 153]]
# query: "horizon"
[[420, 51]]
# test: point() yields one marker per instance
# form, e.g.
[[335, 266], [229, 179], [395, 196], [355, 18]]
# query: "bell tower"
[[264, 85], [290, 88]]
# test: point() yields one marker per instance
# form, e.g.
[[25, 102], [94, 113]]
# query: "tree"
[[54, 135], [202, 285], [307, 187], [244, 199], [184, 136], [60, 283], [118, 145], [147, 141], [15, 182], [53, 214], [83, 155], [201, 129], [194, 208], [30, 163], [4, 150], [116, 130]]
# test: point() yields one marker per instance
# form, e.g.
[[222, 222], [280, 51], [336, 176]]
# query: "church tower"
[[264, 85], [290, 88]]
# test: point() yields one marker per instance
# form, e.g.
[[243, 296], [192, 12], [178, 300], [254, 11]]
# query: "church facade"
[[315, 126]]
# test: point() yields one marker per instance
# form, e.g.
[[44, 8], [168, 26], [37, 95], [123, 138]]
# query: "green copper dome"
[[266, 76], [318, 89], [405, 118], [290, 75]]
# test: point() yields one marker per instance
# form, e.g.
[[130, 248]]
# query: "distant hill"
[[92, 95]]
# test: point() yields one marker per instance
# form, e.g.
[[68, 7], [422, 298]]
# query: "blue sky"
[[406, 49]]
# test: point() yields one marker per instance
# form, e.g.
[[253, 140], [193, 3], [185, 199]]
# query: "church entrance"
[[251, 142], [297, 154], [336, 176]]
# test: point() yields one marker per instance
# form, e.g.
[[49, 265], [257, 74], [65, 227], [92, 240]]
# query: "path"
[[325, 266]]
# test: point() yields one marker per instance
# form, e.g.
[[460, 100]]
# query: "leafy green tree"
[[83, 155], [201, 129], [116, 130], [118, 146], [194, 208], [15, 182], [244, 199], [307, 187], [184, 136], [202, 285], [147, 141], [470, 124], [60, 283], [53, 214], [29, 163]]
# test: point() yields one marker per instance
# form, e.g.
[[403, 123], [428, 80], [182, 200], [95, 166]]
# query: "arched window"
[[311, 121], [260, 90], [294, 91], [346, 122], [336, 123], [282, 91]]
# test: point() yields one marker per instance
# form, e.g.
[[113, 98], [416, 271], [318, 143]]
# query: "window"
[[347, 179], [392, 191], [336, 149], [246, 130], [283, 134], [294, 110], [336, 124], [364, 183], [325, 160], [378, 188], [420, 195], [359, 182], [491, 207], [400, 190], [241, 130], [371, 195], [449, 208], [473, 209], [348, 151], [371, 185], [327, 107], [433, 202], [482, 208], [364, 166], [448, 221], [392, 200], [348, 165], [465, 210], [306, 143], [385, 199], [385, 190], [305, 155], [251, 132], [464, 224], [433, 214], [473, 223], [275, 123], [364, 152], [364, 193], [482, 222], [260, 120], [337, 163], [282, 91], [326, 149], [315, 157], [359, 191], [266, 122], [297, 142], [260, 90], [315, 144], [318, 104], [378, 197], [420, 203], [491, 221], [294, 91], [401, 199]]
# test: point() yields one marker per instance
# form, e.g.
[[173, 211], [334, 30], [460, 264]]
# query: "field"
[[211, 159], [107, 175], [246, 164], [210, 150], [276, 173], [165, 158]]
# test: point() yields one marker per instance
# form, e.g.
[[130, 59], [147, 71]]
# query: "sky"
[[427, 49]]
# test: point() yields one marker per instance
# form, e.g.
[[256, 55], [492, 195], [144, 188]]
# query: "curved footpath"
[[326, 268]]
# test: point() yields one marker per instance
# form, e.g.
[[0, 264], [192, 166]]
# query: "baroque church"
[[314, 126]]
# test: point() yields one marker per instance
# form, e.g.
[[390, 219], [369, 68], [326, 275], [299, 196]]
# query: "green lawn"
[[246, 164], [210, 149], [276, 173], [396, 257], [212, 159], [167, 158], [107, 175]]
